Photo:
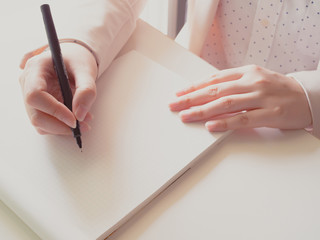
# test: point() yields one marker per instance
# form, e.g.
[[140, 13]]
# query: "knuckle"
[[278, 111], [35, 120], [89, 92], [254, 68], [262, 82], [56, 111], [244, 119], [186, 101], [200, 113], [227, 102], [213, 91], [30, 97], [223, 125]]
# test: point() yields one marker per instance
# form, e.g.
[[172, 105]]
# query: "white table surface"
[[258, 184]]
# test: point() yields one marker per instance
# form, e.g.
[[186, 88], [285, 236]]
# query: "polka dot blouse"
[[281, 35]]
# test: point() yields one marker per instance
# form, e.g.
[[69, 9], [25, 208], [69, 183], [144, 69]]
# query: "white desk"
[[259, 184]]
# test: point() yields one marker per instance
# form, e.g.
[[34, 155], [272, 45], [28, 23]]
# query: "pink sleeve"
[[102, 26], [105, 26]]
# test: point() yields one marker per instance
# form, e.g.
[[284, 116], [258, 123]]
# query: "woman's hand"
[[245, 97], [42, 94]]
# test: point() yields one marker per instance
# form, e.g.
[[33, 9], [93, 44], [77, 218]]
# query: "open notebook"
[[136, 148]]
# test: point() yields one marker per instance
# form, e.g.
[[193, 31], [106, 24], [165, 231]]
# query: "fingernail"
[[215, 126], [181, 92], [70, 122], [81, 112], [173, 106]]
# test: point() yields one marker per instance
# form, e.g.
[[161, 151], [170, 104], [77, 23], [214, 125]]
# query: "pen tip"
[[79, 142]]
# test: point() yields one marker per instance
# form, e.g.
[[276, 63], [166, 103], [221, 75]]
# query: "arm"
[[100, 26], [105, 25]]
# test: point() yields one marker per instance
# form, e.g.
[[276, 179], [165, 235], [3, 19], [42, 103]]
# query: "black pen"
[[59, 65]]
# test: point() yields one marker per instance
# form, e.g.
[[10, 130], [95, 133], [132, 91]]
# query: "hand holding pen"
[[42, 94]]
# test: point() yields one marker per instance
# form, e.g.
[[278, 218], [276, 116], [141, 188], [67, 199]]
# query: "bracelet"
[[70, 40], [45, 48]]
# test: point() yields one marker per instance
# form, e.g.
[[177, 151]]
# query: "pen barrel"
[[57, 56], [59, 64]]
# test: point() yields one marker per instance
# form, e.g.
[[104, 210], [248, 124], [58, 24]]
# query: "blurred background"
[[168, 16], [22, 27]]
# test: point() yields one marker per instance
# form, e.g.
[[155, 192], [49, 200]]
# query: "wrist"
[[44, 48], [83, 44]]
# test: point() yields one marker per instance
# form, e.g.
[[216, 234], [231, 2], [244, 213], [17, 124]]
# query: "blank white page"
[[136, 147]]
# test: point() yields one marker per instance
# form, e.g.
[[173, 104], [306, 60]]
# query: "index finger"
[[219, 77], [48, 104]]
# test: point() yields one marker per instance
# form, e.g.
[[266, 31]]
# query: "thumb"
[[82, 66], [85, 93]]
